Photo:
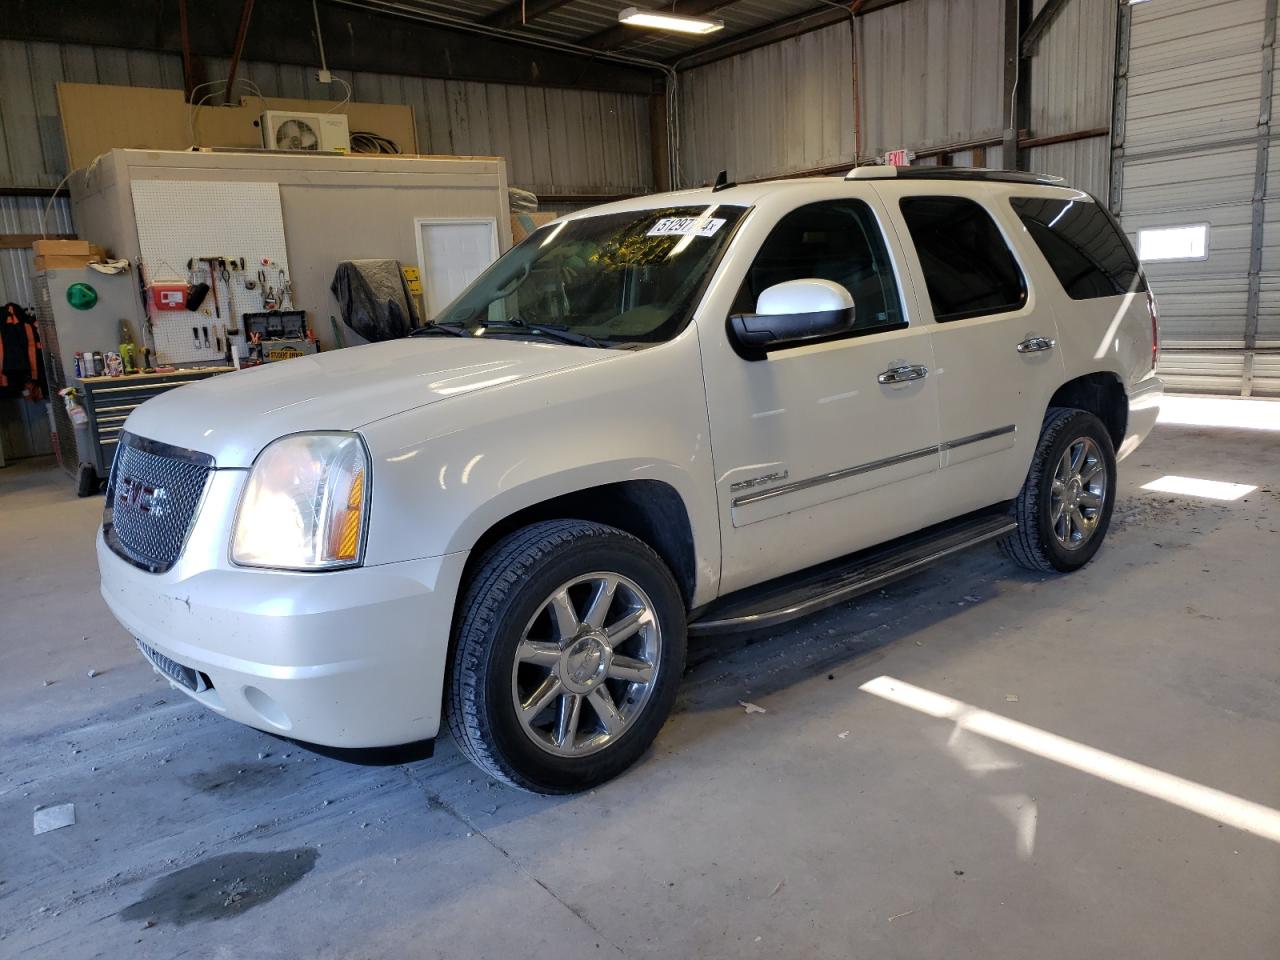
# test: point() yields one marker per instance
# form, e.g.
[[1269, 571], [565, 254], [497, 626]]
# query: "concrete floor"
[[836, 824]]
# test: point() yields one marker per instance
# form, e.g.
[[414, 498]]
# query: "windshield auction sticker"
[[683, 226]]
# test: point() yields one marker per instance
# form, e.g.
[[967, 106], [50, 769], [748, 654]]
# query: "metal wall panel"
[[783, 108], [1191, 152], [555, 140], [22, 215], [1072, 83], [932, 74]]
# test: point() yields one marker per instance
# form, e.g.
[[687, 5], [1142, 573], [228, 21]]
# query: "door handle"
[[1036, 344], [903, 374]]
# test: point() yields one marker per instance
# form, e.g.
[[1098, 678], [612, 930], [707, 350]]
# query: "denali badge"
[[759, 481]]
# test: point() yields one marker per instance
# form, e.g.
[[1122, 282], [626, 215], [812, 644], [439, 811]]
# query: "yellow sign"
[[414, 280]]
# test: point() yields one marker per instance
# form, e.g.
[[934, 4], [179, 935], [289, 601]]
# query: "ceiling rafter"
[[522, 12]]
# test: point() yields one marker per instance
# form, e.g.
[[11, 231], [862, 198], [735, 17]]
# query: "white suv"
[[708, 410]]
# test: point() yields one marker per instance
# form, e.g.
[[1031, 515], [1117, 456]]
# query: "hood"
[[232, 416]]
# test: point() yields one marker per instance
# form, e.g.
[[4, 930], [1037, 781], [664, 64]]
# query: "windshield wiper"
[[551, 332], [433, 328]]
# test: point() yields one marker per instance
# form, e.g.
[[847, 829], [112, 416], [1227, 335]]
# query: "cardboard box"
[[523, 224], [66, 254], [64, 248]]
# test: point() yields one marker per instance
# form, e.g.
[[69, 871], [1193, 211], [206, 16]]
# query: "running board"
[[809, 591]]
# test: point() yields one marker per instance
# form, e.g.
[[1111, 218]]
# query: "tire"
[[1038, 543], [514, 643]]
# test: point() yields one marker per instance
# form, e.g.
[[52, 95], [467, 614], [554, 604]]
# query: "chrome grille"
[[191, 679], [152, 498]]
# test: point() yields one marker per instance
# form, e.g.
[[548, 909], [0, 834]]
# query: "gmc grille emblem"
[[140, 495]]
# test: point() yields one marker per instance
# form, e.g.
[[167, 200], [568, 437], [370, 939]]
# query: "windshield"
[[619, 279]]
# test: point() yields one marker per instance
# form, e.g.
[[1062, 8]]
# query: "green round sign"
[[82, 296]]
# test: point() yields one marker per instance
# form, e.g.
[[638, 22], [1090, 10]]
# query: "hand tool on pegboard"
[[209, 263]]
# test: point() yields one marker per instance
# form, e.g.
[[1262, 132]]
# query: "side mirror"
[[793, 312]]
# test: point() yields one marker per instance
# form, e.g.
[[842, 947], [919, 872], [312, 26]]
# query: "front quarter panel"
[[444, 474]]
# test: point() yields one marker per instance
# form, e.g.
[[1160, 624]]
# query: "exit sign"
[[898, 158]]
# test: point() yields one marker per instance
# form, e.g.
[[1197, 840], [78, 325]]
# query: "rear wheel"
[[568, 653], [1064, 507]]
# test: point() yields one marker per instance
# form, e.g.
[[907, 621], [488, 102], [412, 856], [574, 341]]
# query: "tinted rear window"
[[968, 267], [1085, 250]]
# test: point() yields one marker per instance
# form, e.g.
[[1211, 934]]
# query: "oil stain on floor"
[[222, 886]]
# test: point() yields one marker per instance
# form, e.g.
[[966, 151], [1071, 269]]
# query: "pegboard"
[[181, 220]]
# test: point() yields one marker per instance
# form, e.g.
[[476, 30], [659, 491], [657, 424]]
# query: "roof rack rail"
[[881, 172]]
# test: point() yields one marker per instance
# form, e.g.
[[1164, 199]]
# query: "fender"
[[639, 415]]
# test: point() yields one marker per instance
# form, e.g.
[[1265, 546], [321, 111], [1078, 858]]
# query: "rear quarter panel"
[[1100, 335]]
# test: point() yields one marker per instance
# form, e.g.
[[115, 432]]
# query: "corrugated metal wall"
[[932, 74], [1191, 150], [556, 141], [1072, 83], [784, 108]]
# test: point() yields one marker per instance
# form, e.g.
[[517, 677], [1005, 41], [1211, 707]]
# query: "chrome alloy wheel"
[[586, 664], [1078, 493]]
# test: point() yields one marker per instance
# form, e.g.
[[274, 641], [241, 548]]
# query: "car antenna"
[[722, 182]]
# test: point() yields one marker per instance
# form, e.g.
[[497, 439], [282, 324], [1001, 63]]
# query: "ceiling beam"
[[620, 34], [1040, 24], [815, 19], [516, 15], [357, 38]]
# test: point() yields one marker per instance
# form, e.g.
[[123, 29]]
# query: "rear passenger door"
[[995, 340]]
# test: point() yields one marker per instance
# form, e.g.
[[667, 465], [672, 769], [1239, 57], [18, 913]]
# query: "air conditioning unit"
[[316, 132]]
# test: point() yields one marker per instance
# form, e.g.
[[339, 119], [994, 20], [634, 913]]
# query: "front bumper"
[[350, 658]]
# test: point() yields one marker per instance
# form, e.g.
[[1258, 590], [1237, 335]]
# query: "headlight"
[[305, 505]]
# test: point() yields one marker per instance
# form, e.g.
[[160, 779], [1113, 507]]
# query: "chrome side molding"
[[797, 485]]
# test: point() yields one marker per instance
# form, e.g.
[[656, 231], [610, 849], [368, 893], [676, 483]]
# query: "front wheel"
[[568, 651], [1064, 507]]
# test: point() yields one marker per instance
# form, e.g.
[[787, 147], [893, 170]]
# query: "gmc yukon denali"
[[708, 410]]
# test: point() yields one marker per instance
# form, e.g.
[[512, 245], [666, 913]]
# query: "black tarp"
[[374, 299]]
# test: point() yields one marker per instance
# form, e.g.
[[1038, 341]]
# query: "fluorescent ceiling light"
[[1194, 487], [660, 20]]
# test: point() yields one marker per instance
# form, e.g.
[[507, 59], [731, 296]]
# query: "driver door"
[[827, 447]]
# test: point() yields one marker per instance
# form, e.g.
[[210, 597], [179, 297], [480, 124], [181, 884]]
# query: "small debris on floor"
[[48, 683], [263, 756], [1011, 697], [93, 673], [778, 887], [751, 707], [53, 818], [970, 598], [843, 735], [899, 916]]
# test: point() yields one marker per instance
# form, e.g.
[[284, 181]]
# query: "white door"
[[451, 254], [815, 455], [995, 340]]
